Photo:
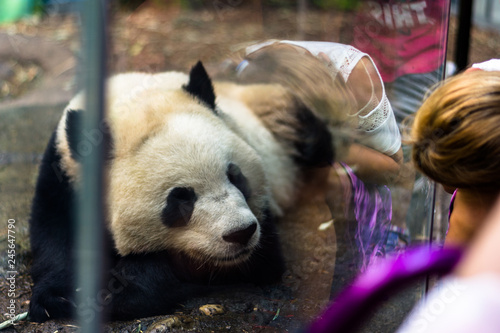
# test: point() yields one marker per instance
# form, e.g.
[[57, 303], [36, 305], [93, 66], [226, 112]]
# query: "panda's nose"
[[241, 236]]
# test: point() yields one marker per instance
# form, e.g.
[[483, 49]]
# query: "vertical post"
[[488, 11], [90, 210], [430, 235], [463, 34], [301, 18], [431, 218]]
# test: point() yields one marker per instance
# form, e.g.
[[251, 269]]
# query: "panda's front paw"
[[46, 305]]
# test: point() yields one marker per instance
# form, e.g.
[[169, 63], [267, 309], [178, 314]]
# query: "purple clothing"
[[372, 207], [373, 286]]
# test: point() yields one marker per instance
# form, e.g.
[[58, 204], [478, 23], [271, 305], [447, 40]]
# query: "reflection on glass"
[[358, 97], [363, 67], [405, 39]]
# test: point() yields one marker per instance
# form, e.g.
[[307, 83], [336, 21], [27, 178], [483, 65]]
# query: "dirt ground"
[[38, 74]]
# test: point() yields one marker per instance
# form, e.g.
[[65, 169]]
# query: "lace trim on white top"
[[376, 117], [379, 129]]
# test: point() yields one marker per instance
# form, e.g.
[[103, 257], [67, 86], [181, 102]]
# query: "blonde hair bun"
[[455, 134]]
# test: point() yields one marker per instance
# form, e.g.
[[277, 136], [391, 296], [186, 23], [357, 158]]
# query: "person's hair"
[[456, 132], [315, 83]]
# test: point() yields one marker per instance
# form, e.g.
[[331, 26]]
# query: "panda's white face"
[[192, 186]]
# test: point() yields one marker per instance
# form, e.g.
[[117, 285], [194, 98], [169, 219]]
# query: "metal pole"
[[91, 198], [488, 11], [463, 34], [430, 235]]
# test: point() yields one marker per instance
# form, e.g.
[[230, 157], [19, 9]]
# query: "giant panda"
[[196, 174]]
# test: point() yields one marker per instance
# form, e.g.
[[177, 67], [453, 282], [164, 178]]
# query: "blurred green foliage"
[[337, 4]]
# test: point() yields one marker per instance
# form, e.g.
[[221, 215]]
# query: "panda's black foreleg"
[[145, 285], [267, 263], [51, 236], [52, 297]]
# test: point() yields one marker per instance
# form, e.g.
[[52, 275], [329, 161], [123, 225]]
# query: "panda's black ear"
[[200, 85], [81, 143]]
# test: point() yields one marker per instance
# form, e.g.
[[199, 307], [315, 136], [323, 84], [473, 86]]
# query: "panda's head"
[[179, 178]]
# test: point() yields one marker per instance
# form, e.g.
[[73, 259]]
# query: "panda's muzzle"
[[241, 236], [237, 257]]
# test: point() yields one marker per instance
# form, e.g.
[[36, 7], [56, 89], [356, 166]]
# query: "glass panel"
[[378, 59]]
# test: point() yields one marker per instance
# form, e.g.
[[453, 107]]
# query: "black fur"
[[237, 178], [81, 142], [200, 85], [314, 147], [51, 235], [74, 121]]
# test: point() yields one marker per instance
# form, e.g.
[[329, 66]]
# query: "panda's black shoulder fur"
[[74, 136], [51, 232], [52, 240]]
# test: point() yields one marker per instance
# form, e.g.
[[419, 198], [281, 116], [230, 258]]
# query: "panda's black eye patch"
[[179, 208], [237, 178]]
